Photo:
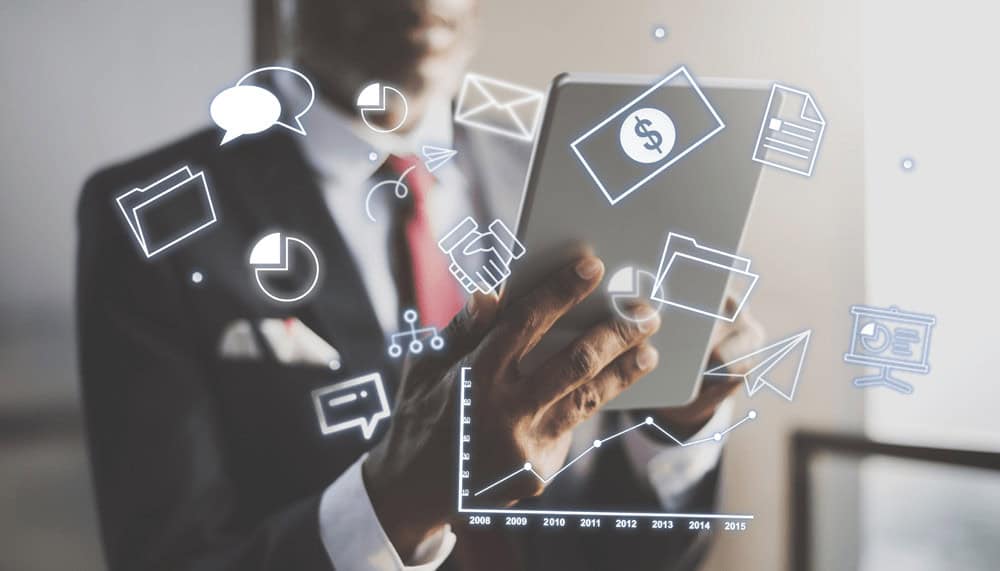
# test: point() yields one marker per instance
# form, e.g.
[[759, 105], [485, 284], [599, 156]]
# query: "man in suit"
[[202, 428]]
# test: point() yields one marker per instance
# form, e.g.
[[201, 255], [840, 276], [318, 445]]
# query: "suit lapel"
[[282, 194]]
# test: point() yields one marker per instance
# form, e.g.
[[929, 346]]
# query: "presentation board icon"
[[890, 339], [169, 211], [356, 403], [377, 99], [687, 271], [247, 108], [629, 285], [647, 135], [777, 366], [436, 157], [791, 131], [272, 260], [499, 107]]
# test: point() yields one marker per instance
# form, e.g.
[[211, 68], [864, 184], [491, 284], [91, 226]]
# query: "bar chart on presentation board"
[[475, 507]]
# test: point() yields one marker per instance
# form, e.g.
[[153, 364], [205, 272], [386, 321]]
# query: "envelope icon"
[[499, 107], [168, 211], [696, 278]]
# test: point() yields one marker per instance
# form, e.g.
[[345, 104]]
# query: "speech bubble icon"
[[295, 87], [359, 402], [244, 110]]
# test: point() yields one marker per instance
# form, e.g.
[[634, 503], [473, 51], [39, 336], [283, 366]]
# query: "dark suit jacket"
[[206, 464]]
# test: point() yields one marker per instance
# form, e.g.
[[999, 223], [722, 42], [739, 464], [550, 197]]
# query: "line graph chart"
[[519, 516]]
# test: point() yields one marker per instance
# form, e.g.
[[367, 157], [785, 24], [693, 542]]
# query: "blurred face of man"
[[419, 46]]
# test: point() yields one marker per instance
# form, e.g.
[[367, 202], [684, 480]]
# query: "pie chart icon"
[[377, 99], [286, 268], [629, 285]]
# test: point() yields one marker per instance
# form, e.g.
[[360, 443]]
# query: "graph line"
[[527, 467]]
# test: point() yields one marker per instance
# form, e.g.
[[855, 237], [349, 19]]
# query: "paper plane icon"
[[436, 157], [776, 366]]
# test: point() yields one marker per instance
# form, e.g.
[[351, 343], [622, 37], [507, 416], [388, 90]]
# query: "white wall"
[[931, 92], [806, 237]]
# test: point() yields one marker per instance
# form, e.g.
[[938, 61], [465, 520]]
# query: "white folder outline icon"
[[131, 211], [481, 85], [678, 246]]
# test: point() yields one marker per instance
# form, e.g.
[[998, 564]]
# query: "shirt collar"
[[339, 146]]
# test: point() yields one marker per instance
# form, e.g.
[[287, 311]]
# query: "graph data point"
[[527, 465], [649, 420], [597, 443], [752, 414], [717, 436]]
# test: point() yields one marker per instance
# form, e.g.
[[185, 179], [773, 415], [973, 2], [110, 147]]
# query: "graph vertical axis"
[[464, 458]]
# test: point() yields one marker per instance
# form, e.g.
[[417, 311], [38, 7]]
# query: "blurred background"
[[840, 478]]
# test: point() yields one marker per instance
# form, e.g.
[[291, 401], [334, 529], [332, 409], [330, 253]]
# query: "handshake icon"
[[481, 260]]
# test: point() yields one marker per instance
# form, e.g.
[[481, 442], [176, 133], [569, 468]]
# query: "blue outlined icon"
[[889, 339], [416, 345], [685, 269], [653, 131], [168, 211], [246, 108], [790, 132], [765, 366], [359, 403], [436, 157]]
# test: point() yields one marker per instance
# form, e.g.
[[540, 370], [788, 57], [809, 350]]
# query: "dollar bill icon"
[[655, 130]]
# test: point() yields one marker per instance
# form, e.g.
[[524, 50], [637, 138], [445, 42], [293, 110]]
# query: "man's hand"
[[410, 475], [729, 341]]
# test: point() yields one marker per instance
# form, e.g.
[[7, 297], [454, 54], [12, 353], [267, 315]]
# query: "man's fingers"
[[587, 398], [525, 322], [587, 356], [744, 337]]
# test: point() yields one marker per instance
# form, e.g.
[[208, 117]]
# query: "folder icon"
[[168, 211], [696, 278]]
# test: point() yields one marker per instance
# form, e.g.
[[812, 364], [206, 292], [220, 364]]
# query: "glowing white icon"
[[375, 99], [499, 107], [245, 109], [790, 132], [399, 188], [356, 403], [415, 346], [685, 269], [272, 255], [436, 157], [629, 285], [764, 366], [647, 135], [481, 260], [168, 211]]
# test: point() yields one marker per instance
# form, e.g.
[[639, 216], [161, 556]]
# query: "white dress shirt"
[[340, 148]]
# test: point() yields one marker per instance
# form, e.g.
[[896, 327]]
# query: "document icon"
[[499, 107], [774, 366], [790, 132], [647, 135], [168, 211], [695, 277]]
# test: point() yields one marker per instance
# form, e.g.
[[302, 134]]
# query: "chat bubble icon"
[[359, 402], [250, 106], [244, 110]]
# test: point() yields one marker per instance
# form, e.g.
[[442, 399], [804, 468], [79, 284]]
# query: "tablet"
[[595, 184]]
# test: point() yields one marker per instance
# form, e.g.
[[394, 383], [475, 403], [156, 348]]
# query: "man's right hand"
[[410, 475]]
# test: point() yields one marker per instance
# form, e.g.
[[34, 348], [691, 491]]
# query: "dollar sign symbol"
[[654, 136]]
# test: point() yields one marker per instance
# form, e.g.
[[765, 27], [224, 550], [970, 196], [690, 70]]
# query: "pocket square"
[[238, 342], [499, 107], [294, 343]]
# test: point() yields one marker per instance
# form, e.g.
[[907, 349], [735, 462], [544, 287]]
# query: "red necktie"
[[435, 292]]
